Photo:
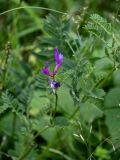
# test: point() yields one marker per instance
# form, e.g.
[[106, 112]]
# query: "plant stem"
[[56, 101], [13, 124], [32, 7], [29, 147], [7, 49]]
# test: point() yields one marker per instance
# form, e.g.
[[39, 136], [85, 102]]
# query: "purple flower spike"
[[58, 59]]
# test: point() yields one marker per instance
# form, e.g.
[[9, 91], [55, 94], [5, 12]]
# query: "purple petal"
[[54, 84], [46, 64], [45, 71], [58, 56], [56, 68], [57, 84]]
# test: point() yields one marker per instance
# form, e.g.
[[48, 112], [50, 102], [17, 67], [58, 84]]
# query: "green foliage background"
[[86, 122]]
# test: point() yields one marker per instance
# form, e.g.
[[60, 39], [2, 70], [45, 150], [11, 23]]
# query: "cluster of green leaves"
[[86, 122]]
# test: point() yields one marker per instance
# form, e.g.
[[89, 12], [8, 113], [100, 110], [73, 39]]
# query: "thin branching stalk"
[[29, 146], [7, 50], [32, 7]]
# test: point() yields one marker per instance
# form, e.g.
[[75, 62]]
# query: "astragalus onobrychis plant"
[[72, 112]]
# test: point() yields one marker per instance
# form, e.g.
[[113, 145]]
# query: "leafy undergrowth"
[[81, 119]]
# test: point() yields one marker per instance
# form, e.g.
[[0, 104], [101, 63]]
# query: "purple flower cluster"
[[58, 59]]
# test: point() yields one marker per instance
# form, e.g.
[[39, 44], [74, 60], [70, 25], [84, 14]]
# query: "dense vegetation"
[[72, 113]]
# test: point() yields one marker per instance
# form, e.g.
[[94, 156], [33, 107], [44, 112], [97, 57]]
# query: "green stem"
[[29, 147], [105, 80], [52, 114], [7, 48], [5, 154], [5, 69], [32, 7], [56, 101], [74, 113], [26, 153], [13, 124]]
